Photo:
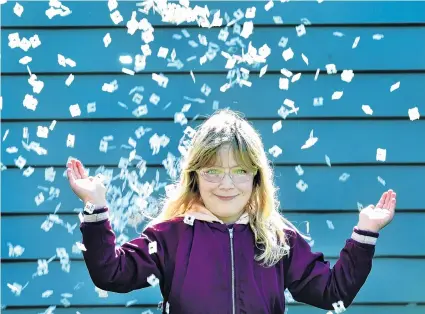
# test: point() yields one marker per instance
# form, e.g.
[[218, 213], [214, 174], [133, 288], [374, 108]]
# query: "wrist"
[[90, 206], [366, 228]]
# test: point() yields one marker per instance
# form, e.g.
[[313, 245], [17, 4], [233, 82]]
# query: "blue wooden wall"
[[346, 134]]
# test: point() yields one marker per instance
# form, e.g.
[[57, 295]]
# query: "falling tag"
[[30, 102], [305, 59], [152, 280], [300, 30], [414, 114], [317, 101], [283, 42], [339, 307], [116, 17], [29, 171], [70, 140], [286, 72], [344, 177], [101, 293], [287, 54], [356, 42], [250, 13], [316, 76], [331, 68], [330, 224], [337, 95], [49, 174], [107, 40], [18, 9], [39, 199], [381, 154], [42, 131], [47, 294], [20, 162], [347, 75], [189, 219], [328, 160], [301, 185], [35, 41], [80, 246], [247, 29], [268, 5], [277, 20], [296, 77], [299, 170], [162, 52], [75, 110], [283, 83], [153, 247], [367, 110], [382, 181], [395, 86], [69, 80], [310, 141], [275, 151], [277, 126], [263, 70]]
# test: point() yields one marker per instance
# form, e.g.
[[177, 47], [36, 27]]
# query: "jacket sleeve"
[[311, 280], [121, 269]]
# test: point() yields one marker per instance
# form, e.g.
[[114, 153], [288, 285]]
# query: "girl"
[[220, 244]]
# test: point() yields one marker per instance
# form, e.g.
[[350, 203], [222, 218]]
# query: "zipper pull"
[[231, 233]]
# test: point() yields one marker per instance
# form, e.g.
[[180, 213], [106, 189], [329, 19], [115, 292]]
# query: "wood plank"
[[394, 240], [378, 288], [325, 191], [371, 89], [292, 308], [399, 44], [94, 13], [342, 141]]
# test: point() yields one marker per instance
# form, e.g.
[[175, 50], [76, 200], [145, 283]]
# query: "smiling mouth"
[[226, 198]]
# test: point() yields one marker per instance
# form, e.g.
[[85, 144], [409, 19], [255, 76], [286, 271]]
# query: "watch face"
[[89, 207]]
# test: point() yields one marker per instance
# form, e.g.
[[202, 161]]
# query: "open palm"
[[374, 218], [88, 189]]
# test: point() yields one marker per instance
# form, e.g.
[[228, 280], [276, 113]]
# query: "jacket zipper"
[[233, 271]]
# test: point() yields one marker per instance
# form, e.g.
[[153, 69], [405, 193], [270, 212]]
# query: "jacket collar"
[[200, 212]]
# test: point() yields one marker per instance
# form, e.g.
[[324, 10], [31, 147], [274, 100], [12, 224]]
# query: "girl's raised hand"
[[88, 189], [374, 218]]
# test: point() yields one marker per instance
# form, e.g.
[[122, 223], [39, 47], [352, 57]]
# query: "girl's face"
[[213, 190]]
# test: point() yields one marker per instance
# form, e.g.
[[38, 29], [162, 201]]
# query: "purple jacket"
[[209, 267]]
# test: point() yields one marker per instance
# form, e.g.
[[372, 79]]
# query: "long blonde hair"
[[229, 127]]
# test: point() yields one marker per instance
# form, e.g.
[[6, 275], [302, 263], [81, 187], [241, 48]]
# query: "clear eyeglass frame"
[[234, 177]]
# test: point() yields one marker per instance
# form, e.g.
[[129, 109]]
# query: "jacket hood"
[[200, 212]]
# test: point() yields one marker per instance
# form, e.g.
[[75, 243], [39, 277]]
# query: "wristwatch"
[[93, 213], [89, 208]]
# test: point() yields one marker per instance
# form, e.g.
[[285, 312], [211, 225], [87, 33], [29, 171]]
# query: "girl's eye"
[[213, 171]]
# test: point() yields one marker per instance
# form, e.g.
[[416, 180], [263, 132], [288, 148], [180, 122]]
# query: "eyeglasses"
[[216, 174]]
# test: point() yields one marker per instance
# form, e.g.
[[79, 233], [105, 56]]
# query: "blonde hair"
[[229, 127]]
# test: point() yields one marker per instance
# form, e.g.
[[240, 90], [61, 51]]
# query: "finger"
[[388, 199], [69, 167], [81, 170], [393, 204], [75, 169], [382, 200], [71, 176]]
